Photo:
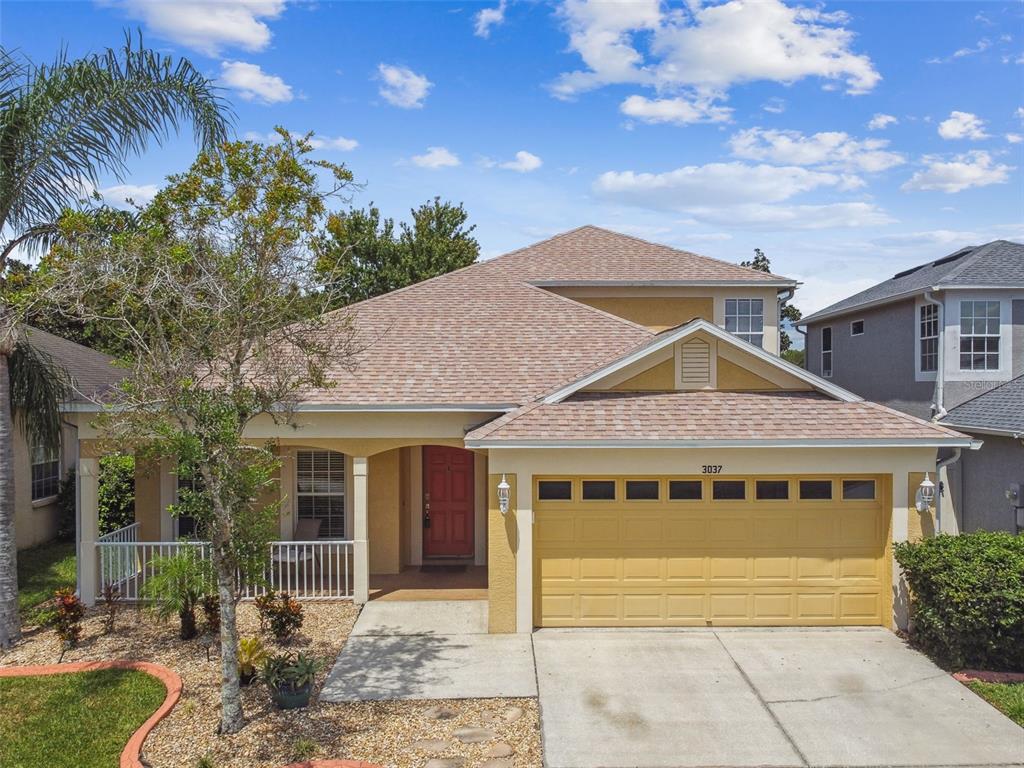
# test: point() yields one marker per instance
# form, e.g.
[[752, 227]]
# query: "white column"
[[361, 552], [88, 480]]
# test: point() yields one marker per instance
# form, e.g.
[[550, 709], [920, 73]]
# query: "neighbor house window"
[[826, 352], [745, 318], [979, 335], [857, 328], [320, 490], [929, 333], [45, 472]]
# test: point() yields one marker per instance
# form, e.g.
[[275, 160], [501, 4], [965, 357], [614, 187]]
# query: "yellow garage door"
[[711, 551]]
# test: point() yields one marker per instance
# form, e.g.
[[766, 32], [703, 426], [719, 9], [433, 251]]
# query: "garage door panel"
[[815, 568], [858, 568], [729, 607], [729, 530], [773, 568], [773, 606], [776, 531], [601, 606], [642, 569], [642, 607], [599, 569], [690, 531], [685, 607], [685, 569], [728, 569], [853, 605], [556, 529], [641, 531], [598, 530]]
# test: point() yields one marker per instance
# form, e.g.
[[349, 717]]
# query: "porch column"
[[88, 481], [360, 547]]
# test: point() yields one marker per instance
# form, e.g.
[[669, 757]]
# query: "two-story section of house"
[[943, 340]]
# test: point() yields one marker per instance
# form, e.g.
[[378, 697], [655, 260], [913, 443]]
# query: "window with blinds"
[[320, 490]]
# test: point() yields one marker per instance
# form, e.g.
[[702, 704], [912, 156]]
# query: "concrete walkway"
[[429, 650], [749, 697]]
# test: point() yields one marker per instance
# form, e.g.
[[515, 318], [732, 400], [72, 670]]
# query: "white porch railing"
[[307, 570]]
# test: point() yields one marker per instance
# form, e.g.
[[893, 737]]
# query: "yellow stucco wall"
[[657, 313], [404, 541], [147, 498], [657, 378], [383, 509], [502, 546], [34, 522], [920, 525], [732, 376]]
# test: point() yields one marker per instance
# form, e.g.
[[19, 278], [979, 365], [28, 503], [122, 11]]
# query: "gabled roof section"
[[993, 265], [92, 373], [675, 335], [999, 410]]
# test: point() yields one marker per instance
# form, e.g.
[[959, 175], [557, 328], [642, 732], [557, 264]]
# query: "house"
[[597, 425], [39, 472], [945, 340]]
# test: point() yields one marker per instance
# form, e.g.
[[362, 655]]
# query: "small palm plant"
[[178, 585]]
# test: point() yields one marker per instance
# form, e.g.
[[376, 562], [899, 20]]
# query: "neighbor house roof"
[[712, 417], [996, 264], [92, 373], [998, 410]]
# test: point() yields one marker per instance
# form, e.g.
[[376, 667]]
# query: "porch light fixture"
[[503, 495], [925, 494]]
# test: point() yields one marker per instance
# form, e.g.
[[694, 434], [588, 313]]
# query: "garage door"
[[720, 551]]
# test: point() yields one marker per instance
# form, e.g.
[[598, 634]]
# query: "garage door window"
[[854, 490], [599, 490], [642, 490], [771, 490], [729, 490], [554, 490], [815, 490], [685, 490]]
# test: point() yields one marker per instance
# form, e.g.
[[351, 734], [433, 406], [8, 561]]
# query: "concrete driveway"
[[747, 697]]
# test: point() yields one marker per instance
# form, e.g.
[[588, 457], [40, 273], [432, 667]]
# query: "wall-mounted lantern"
[[504, 490], [925, 494]]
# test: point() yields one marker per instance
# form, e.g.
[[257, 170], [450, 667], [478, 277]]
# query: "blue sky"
[[847, 140]]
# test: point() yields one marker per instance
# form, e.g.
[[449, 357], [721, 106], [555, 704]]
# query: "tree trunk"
[[10, 622], [188, 624], [231, 716]]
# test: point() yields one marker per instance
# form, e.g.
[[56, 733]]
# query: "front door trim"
[[449, 501]]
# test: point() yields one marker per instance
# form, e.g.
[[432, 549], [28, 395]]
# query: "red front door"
[[447, 502]]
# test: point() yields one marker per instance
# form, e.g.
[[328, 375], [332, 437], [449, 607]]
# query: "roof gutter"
[[947, 442], [939, 411], [819, 316]]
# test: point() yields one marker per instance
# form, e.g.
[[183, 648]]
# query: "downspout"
[[938, 409], [939, 466], [785, 296]]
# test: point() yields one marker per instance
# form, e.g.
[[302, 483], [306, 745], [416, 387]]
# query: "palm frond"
[[39, 385]]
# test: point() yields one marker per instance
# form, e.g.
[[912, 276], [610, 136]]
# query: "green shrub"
[[116, 492], [177, 586], [967, 598]]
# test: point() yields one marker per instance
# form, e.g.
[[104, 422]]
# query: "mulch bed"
[[987, 676]]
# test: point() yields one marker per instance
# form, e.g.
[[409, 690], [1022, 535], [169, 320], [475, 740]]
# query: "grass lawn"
[[1007, 698], [78, 720], [42, 570]]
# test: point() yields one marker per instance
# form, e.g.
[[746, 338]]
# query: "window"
[[979, 335], [858, 489], [815, 490], [320, 490], [554, 490], [857, 328], [642, 490], [684, 490], [187, 526], [826, 352], [728, 490], [768, 490], [745, 318], [929, 335], [45, 472], [599, 490]]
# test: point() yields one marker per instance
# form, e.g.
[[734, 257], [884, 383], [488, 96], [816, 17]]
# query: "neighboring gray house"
[[944, 340]]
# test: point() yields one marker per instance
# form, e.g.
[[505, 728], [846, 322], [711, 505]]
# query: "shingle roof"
[[92, 373], [1000, 262], [708, 415], [1000, 409]]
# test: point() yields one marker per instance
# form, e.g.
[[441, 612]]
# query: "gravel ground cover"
[[470, 733]]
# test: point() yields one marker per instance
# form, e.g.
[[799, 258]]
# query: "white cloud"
[[775, 105], [943, 237], [972, 169], [316, 142], [119, 195], [962, 125], [829, 149], [524, 162], [206, 26], [795, 217], [881, 121], [1019, 113], [1014, 138], [487, 18], [679, 111], [253, 84], [402, 87], [983, 45], [436, 157]]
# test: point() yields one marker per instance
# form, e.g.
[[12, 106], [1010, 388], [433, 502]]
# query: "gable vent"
[[696, 364]]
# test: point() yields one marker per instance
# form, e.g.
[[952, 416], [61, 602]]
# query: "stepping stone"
[[497, 762], [448, 762], [431, 745], [474, 735], [512, 714], [501, 749], [492, 718], [440, 713]]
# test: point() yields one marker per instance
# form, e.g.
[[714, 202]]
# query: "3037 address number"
[[712, 469]]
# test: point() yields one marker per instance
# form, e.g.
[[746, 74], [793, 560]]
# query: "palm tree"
[[62, 127]]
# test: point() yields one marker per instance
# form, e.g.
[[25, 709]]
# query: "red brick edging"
[[984, 676], [130, 755]]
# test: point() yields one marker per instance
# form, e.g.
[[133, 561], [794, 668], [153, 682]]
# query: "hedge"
[[967, 598]]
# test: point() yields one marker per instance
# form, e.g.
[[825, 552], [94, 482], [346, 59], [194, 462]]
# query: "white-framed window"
[[745, 318], [826, 352], [857, 328], [979, 335], [320, 490], [45, 472], [928, 334]]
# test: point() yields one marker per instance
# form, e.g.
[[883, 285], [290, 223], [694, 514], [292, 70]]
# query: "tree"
[[365, 257], [219, 301], [761, 263], [62, 126]]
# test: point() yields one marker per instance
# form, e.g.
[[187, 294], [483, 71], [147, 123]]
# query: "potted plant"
[[252, 654], [289, 679]]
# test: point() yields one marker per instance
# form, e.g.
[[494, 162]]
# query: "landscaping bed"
[[43, 570], [389, 733]]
